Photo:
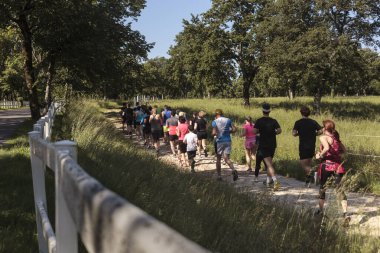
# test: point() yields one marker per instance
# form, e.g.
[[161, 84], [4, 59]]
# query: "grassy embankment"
[[223, 220], [354, 117]]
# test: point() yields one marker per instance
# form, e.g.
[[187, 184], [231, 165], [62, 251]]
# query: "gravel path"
[[364, 209], [9, 120]]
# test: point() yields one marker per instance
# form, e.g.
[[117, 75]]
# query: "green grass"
[[17, 214], [353, 116], [223, 221]]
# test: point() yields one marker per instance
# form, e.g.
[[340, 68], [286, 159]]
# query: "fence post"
[[38, 174], [66, 234]]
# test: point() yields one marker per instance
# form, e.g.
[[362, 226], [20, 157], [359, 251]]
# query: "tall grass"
[[210, 213], [353, 117]]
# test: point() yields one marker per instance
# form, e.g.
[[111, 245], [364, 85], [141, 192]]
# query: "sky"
[[161, 21]]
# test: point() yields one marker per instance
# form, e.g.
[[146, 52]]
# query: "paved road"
[[9, 119]]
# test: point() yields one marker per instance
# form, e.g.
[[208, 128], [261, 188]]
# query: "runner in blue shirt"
[[222, 128]]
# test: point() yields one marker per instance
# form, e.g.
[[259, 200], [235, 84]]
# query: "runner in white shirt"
[[191, 140]]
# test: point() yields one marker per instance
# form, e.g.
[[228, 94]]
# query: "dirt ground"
[[363, 209]]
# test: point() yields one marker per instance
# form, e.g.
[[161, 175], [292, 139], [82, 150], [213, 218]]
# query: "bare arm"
[[278, 130], [325, 149], [255, 131], [233, 128], [295, 133]]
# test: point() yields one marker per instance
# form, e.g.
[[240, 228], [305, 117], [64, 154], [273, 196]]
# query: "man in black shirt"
[[268, 128], [307, 130]]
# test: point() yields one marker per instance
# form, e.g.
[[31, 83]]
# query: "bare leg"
[[172, 146], [219, 165], [248, 158], [269, 163]]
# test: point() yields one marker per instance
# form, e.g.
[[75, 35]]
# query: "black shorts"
[[156, 136], [182, 147], [266, 152], [306, 153], [202, 135], [173, 137], [191, 154]]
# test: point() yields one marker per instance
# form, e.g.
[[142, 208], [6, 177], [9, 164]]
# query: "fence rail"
[[10, 104], [105, 221]]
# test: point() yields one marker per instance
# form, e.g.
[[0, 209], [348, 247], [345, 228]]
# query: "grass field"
[[357, 119]]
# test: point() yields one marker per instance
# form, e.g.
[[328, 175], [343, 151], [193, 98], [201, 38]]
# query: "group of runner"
[[189, 135]]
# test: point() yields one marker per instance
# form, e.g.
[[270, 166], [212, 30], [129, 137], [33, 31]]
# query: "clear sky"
[[161, 21]]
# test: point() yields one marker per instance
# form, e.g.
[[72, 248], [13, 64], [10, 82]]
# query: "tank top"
[[155, 124], [183, 130], [332, 158], [249, 134]]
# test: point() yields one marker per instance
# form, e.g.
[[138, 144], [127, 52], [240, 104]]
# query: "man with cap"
[[222, 128], [268, 128]]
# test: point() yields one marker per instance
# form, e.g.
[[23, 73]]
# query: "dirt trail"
[[9, 120], [364, 209]]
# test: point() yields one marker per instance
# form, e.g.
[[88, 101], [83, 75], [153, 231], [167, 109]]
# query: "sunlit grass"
[[223, 220]]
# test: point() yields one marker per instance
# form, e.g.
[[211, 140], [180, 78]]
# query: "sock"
[[274, 178], [268, 180]]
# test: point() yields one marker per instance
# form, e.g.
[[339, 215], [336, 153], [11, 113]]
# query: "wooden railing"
[[104, 221]]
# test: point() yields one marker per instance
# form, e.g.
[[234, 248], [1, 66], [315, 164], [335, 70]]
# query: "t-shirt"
[[139, 116], [249, 134], [167, 115], [266, 127], [172, 123], [128, 113], [223, 129], [307, 131], [191, 140], [183, 130], [201, 124]]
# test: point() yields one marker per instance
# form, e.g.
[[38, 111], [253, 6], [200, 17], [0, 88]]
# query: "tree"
[[85, 37], [240, 19]]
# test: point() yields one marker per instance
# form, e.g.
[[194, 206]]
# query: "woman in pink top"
[[250, 142], [182, 130]]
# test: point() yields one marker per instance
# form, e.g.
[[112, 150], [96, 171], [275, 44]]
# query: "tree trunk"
[[246, 86], [27, 52], [290, 93], [317, 102], [49, 87]]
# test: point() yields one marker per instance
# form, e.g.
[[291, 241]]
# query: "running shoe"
[[276, 186], [268, 184], [249, 170], [256, 179], [206, 154], [192, 166], [235, 175]]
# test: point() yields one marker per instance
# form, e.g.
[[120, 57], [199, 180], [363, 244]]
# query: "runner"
[[165, 115], [182, 130], [193, 119], [191, 140], [259, 160], [139, 117], [201, 127], [128, 112], [156, 128], [122, 114], [307, 130], [222, 128], [250, 142], [268, 129], [147, 133], [172, 124], [331, 166]]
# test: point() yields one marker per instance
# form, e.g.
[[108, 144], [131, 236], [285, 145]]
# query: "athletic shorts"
[[147, 130], [223, 148], [266, 152], [156, 136], [173, 137], [129, 122], [191, 154], [306, 153], [182, 147], [202, 135], [165, 129], [249, 143]]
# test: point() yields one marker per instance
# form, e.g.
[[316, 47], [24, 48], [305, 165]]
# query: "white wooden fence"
[[9, 104], [104, 221]]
